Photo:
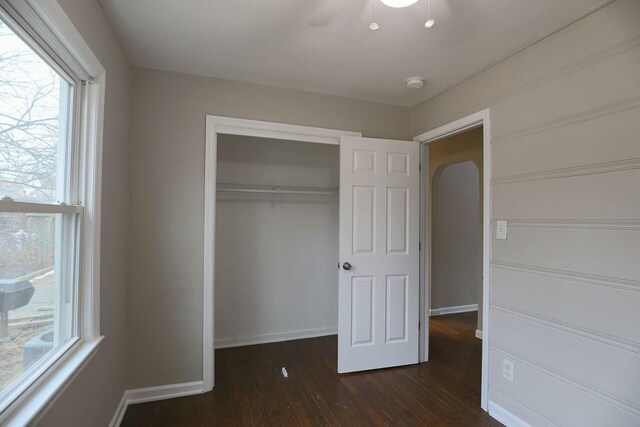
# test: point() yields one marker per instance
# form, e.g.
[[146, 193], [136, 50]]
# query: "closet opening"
[[276, 225]]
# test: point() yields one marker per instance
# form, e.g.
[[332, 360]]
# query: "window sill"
[[30, 405]]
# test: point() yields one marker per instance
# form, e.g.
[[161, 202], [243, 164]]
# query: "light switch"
[[501, 230]]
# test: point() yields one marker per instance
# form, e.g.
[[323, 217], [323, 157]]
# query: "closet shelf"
[[274, 189]]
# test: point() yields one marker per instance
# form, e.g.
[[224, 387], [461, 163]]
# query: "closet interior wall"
[[276, 255]]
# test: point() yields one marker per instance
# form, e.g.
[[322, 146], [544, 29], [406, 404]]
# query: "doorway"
[[277, 240], [455, 171], [453, 155]]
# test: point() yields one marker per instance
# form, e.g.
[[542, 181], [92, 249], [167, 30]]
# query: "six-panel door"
[[379, 237]]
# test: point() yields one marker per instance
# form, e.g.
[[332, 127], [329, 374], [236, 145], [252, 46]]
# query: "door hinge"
[[419, 246], [420, 167], [418, 325]]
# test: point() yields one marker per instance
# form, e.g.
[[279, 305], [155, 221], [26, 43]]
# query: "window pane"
[[36, 289], [34, 111]]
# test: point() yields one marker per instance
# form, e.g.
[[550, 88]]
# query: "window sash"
[[43, 208], [23, 20], [50, 28], [70, 188]]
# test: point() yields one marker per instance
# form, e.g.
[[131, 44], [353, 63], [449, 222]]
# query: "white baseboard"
[[150, 394], [505, 417], [269, 338], [478, 334], [453, 310]]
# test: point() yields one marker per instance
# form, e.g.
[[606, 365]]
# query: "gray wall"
[[565, 286], [456, 236], [276, 273], [465, 146], [92, 397], [167, 184]]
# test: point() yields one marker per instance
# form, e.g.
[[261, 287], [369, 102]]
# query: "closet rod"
[[276, 189]]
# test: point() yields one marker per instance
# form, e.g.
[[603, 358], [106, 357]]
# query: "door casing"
[[481, 118]]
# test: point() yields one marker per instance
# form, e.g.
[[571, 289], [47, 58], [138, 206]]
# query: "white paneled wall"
[[565, 286]]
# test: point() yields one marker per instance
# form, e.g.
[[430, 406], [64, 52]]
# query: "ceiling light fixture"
[[373, 26], [430, 22], [398, 3]]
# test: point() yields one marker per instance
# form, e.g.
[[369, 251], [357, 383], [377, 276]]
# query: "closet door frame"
[[217, 125]]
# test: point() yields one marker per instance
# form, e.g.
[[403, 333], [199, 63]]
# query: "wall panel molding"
[[592, 279], [592, 59], [571, 328], [570, 119], [580, 224], [591, 169], [545, 370]]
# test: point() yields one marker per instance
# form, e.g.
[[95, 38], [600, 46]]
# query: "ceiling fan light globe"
[[398, 3]]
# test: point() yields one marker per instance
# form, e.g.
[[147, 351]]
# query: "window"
[[50, 144]]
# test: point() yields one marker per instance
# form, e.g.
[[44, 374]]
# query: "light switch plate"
[[501, 230]]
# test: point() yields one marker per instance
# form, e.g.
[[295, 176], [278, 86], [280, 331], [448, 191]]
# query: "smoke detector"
[[415, 83]]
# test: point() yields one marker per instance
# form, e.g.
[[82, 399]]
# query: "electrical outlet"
[[507, 369], [501, 230]]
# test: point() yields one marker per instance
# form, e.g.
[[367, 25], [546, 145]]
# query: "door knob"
[[346, 266]]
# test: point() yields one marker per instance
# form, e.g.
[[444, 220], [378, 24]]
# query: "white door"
[[379, 259]]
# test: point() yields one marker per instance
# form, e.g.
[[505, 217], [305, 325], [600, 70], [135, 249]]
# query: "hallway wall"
[[456, 240], [463, 147]]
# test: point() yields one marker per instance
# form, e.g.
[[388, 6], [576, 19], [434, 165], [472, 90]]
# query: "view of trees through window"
[[34, 105]]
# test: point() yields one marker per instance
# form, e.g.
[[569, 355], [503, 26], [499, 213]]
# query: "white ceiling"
[[326, 46]]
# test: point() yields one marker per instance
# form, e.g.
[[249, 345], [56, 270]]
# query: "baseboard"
[[151, 394], [478, 334], [505, 417], [453, 310], [269, 338]]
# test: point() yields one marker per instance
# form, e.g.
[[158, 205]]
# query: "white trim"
[[29, 407], [121, 409], [425, 297], [162, 392], [478, 334], [277, 337], [481, 118], [505, 417], [30, 207], [452, 310], [232, 126], [153, 394]]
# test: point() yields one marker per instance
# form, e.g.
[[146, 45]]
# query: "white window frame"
[[46, 22]]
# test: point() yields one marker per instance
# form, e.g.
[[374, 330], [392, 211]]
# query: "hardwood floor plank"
[[251, 391]]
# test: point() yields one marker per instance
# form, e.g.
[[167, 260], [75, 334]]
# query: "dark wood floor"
[[250, 389]]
